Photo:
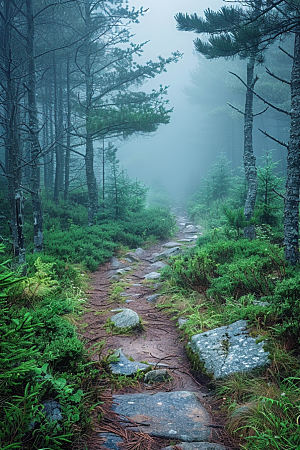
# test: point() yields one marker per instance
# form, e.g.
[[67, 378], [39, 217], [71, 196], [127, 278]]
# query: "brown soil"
[[159, 343]]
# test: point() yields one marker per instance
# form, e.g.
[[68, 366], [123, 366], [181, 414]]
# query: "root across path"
[[179, 411]]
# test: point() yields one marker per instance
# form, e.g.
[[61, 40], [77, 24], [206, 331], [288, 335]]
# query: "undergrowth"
[[221, 281]]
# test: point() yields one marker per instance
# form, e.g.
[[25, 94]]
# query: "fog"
[[177, 153], [202, 124]]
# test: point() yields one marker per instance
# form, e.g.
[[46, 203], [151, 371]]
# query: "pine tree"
[[229, 36]]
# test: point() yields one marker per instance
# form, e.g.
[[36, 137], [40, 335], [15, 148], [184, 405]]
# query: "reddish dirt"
[[159, 342]]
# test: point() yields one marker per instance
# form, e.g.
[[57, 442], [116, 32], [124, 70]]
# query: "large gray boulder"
[[172, 415], [126, 318], [124, 366], [229, 349]]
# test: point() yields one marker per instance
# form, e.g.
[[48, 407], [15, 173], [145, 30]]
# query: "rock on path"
[[228, 350], [126, 367], [125, 319], [178, 415]]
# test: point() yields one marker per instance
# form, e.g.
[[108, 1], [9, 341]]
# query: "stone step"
[[178, 414]]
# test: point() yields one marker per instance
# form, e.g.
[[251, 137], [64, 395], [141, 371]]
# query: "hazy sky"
[[170, 152]]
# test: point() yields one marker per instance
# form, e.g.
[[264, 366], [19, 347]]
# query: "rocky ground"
[[170, 406]]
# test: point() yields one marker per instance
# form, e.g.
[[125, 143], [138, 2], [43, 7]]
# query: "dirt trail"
[[159, 342]]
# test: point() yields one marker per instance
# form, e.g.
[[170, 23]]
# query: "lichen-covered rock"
[[229, 349], [124, 366], [126, 318], [157, 376]]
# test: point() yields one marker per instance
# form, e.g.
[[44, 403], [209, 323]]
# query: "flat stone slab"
[[228, 350], [197, 446], [126, 318], [168, 253], [153, 298], [178, 414], [159, 265], [124, 366], [171, 244], [152, 276]]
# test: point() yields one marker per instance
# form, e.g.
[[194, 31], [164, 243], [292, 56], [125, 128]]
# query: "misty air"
[[149, 224]]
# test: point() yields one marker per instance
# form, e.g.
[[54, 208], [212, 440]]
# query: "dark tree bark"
[[59, 125], [34, 133], [291, 204], [249, 158], [68, 145], [89, 152], [12, 144]]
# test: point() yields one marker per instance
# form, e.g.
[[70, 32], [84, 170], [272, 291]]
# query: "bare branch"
[[237, 109], [258, 96], [277, 78], [261, 112], [284, 144], [285, 52]]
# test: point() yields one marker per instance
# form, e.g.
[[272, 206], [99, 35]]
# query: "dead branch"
[[285, 52], [236, 109], [261, 112], [259, 96], [284, 144], [277, 77]]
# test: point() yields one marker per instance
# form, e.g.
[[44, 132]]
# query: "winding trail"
[[160, 344]]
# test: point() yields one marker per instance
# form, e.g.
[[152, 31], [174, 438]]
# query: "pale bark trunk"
[[291, 204], [249, 158], [34, 133]]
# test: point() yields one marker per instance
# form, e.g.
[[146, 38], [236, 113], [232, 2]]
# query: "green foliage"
[[225, 269], [236, 221], [219, 188], [91, 246], [269, 203], [41, 358]]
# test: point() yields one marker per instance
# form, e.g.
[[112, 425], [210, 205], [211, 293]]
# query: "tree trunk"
[[291, 203], [249, 158], [89, 154], [34, 133], [12, 134], [59, 125], [68, 146]]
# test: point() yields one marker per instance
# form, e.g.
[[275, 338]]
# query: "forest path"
[[159, 344]]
